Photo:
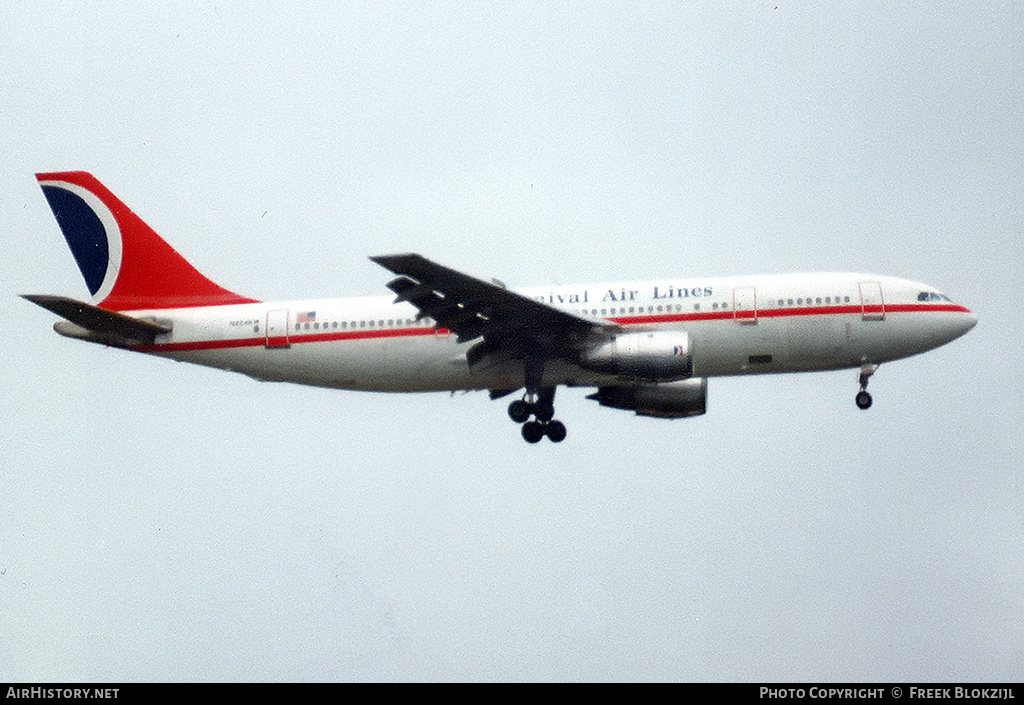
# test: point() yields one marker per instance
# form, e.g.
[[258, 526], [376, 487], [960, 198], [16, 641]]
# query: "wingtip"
[[390, 261], [396, 255]]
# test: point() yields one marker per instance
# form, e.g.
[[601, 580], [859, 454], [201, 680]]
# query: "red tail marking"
[[152, 275]]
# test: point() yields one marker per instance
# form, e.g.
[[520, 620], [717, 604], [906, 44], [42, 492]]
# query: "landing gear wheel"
[[555, 431], [519, 411], [863, 400], [533, 431]]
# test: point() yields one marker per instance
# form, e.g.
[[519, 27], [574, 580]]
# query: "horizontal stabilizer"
[[99, 320]]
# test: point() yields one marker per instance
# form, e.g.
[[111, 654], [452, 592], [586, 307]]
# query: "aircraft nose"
[[972, 320], [967, 322]]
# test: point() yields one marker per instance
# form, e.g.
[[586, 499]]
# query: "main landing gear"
[[863, 399], [541, 407]]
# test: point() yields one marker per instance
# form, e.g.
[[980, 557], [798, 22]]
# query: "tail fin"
[[126, 265]]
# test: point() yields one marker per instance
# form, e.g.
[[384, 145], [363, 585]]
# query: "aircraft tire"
[[519, 411], [533, 431], [543, 412], [555, 431], [863, 400]]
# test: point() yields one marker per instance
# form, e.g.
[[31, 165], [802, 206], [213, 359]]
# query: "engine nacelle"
[[670, 400], [646, 355]]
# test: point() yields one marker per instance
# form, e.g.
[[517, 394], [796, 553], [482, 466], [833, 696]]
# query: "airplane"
[[647, 346]]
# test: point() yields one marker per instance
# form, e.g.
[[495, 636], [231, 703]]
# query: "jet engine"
[[645, 355], [670, 400]]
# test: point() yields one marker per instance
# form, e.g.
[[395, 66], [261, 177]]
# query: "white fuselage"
[[738, 325]]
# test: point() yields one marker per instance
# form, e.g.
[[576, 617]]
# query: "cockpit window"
[[932, 296]]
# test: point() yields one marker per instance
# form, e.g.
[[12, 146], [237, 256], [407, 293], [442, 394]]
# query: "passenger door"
[[871, 301], [744, 305], [277, 329]]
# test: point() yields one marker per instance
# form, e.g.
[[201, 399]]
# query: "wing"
[[511, 325]]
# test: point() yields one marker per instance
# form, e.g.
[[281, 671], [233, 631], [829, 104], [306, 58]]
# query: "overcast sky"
[[161, 521]]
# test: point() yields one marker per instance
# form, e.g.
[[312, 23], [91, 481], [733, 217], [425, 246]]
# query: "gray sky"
[[168, 522]]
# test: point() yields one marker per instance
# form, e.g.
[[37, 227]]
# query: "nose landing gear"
[[863, 399]]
